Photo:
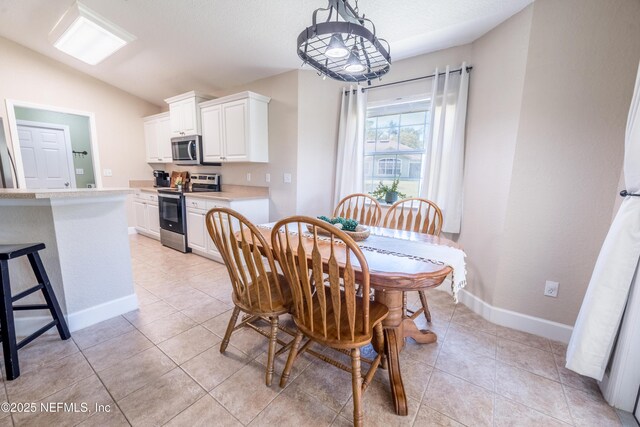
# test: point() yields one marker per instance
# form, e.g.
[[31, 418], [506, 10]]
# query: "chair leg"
[[356, 382], [230, 326], [9, 345], [425, 306], [379, 344], [272, 349], [293, 353], [49, 295]]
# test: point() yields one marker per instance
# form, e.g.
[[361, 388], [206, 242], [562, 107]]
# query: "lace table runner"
[[420, 251]]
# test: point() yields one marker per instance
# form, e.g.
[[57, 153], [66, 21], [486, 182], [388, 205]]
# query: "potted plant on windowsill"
[[388, 193]]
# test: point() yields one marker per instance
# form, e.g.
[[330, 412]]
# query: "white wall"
[[31, 77], [549, 96], [303, 126], [495, 95], [283, 145], [581, 67], [318, 114]]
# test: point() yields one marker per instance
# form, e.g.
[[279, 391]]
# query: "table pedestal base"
[[396, 328], [421, 336]]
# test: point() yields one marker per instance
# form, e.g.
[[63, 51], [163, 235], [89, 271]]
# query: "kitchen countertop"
[[228, 196], [234, 193], [71, 193]]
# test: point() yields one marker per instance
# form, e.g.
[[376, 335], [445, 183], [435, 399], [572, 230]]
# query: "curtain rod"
[[459, 70]]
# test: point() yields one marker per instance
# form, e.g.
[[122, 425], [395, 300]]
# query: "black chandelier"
[[342, 47]]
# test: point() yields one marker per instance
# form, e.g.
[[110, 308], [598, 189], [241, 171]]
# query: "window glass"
[[395, 145]]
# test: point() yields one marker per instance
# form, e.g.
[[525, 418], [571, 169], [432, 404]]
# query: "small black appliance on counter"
[[161, 178]]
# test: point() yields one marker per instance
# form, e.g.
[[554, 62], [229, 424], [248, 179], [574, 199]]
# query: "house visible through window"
[[389, 167], [395, 144]]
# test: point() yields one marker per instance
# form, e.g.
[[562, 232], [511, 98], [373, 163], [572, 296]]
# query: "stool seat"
[[17, 250]]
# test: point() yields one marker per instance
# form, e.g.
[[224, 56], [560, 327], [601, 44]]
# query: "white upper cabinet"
[[236, 128], [212, 133], [164, 138], [157, 137], [185, 113]]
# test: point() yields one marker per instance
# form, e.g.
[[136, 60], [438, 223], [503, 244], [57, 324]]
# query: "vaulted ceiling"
[[210, 45]]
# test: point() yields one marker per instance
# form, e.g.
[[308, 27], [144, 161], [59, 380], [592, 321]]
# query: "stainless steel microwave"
[[187, 150]]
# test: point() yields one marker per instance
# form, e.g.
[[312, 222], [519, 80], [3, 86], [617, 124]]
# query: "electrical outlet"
[[287, 178], [107, 172], [551, 289], [248, 177], [267, 178], [79, 171]]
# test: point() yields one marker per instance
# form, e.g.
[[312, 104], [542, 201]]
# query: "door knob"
[[66, 184]]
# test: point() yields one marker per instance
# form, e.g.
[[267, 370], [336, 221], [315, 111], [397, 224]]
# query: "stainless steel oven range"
[[172, 207]]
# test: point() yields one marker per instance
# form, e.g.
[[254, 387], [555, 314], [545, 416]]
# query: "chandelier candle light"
[[342, 47]]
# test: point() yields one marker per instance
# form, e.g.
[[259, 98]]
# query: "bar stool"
[[8, 332]]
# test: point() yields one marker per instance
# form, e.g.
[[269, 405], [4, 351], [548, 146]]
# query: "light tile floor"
[[161, 365]]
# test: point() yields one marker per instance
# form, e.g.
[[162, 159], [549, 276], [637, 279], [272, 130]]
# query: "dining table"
[[395, 268]]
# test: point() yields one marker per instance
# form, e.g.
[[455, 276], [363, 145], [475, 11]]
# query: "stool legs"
[[49, 295], [9, 344]]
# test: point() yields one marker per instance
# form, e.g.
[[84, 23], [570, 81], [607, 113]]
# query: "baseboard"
[[522, 322], [80, 319], [132, 230]]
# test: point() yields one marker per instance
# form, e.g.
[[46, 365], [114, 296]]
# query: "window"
[[395, 144], [389, 167]]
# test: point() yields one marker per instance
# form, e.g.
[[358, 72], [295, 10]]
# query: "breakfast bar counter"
[[87, 254]]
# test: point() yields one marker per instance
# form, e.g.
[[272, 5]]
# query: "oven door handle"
[[169, 196], [191, 144]]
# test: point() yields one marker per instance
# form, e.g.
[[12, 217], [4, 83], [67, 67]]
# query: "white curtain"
[[349, 164], [443, 170], [603, 305]]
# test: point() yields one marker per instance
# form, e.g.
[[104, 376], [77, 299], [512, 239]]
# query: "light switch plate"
[[287, 178], [79, 171], [107, 172], [248, 177], [267, 178]]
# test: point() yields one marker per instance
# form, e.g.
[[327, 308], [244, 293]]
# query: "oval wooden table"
[[393, 270]]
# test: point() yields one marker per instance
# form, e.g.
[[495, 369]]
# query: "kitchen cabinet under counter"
[[254, 207], [147, 217], [87, 255]]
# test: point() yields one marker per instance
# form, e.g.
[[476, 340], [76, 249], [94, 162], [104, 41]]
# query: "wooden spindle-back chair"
[[327, 310], [257, 288], [420, 216], [361, 207]]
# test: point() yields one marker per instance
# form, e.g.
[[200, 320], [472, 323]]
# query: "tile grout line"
[[535, 410], [527, 406], [64, 388], [115, 402], [564, 394], [451, 321], [206, 393]]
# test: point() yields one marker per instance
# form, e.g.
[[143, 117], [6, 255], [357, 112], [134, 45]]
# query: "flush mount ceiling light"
[[342, 47], [87, 36]]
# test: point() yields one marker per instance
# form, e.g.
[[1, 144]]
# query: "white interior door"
[[46, 155]]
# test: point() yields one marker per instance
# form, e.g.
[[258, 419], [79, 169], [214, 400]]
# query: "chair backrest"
[[239, 243], [300, 245], [361, 207], [415, 214]]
